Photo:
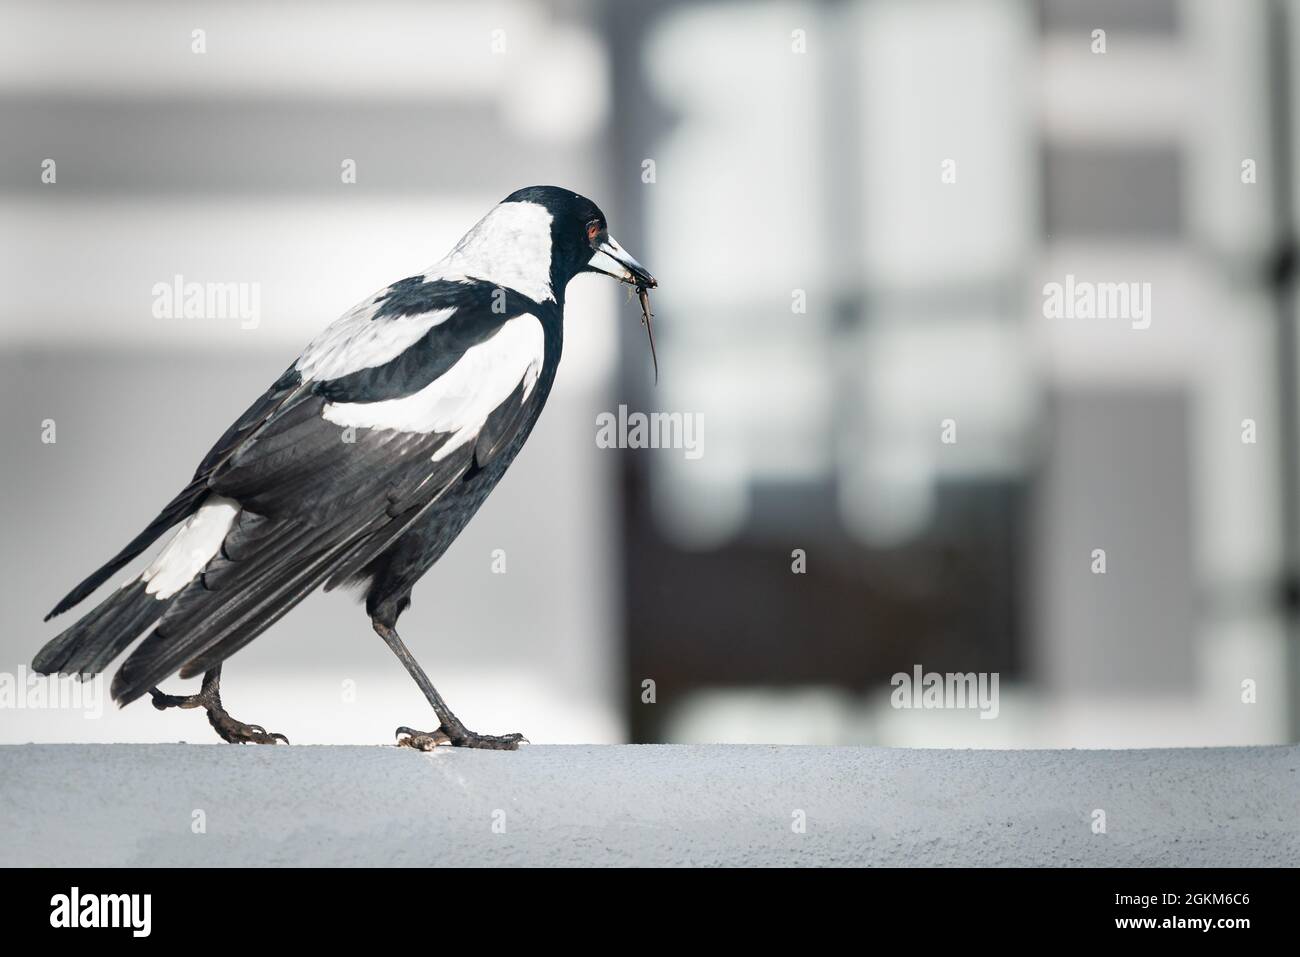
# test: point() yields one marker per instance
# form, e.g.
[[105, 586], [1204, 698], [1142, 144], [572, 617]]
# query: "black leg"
[[450, 730], [209, 699]]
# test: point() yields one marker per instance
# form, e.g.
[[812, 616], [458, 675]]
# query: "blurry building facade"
[[854, 209]]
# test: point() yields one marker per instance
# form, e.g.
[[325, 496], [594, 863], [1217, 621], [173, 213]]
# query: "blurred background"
[[853, 208]]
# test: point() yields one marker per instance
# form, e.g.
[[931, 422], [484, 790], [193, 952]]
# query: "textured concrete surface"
[[653, 805]]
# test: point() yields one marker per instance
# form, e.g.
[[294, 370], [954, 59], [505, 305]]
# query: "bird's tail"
[[100, 636]]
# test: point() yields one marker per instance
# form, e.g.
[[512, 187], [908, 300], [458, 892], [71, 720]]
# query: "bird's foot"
[[459, 737], [236, 732], [209, 699]]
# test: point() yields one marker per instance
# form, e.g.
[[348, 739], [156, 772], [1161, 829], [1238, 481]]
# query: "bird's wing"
[[371, 425], [188, 500], [297, 501]]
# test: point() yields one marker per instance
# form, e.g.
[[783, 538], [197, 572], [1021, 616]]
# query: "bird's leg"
[[450, 731], [209, 699]]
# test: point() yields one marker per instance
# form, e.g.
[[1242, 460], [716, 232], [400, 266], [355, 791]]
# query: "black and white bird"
[[360, 465]]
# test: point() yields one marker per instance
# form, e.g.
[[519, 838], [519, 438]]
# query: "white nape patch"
[[460, 400], [190, 550], [509, 247], [357, 342]]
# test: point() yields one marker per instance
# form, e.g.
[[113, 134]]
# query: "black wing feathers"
[[187, 501], [94, 641], [177, 510], [310, 500], [502, 426], [318, 503]]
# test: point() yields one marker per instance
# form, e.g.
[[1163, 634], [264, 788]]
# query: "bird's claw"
[[439, 738], [208, 698], [422, 740], [236, 732]]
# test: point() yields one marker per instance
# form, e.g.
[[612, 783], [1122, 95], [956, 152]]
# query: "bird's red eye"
[[593, 230]]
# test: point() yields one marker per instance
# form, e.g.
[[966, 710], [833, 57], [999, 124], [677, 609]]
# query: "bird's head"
[[579, 237], [537, 239]]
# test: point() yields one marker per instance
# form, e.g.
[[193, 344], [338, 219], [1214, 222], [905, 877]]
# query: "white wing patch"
[[461, 399], [357, 341], [193, 546]]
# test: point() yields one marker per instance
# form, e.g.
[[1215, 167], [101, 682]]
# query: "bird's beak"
[[613, 260]]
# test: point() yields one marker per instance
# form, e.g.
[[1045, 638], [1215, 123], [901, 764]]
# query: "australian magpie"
[[360, 465]]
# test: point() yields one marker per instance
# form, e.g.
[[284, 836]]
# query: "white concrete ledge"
[[654, 805]]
